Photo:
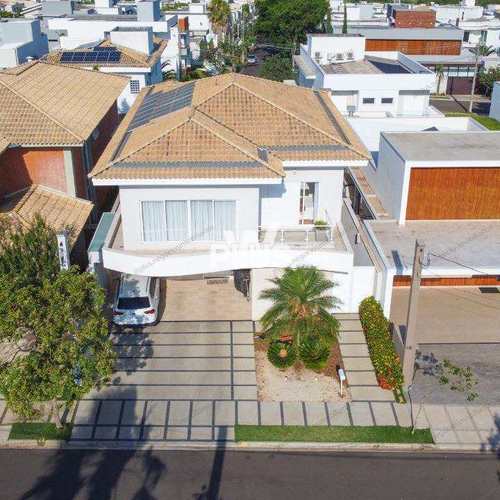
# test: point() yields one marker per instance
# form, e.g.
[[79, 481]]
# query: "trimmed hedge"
[[378, 337]]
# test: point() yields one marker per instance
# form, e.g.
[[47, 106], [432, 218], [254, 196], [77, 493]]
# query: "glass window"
[[135, 86], [224, 219], [368, 100], [153, 221], [177, 220], [129, 303], [387, 100], [202, 220]]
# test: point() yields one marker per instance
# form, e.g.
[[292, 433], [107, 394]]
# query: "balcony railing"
[[297, 236]]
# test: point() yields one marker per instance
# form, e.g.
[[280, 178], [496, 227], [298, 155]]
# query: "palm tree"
[[480, 50], [219, 13], [301, 306], [439, 73]]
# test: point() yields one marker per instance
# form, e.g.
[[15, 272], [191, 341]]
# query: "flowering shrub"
[[382, 352]]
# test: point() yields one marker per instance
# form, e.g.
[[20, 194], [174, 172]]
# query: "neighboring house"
[[21, 40], [228, 175], [495, 102], [361, 82], [131, 52], [55, 122], [83, 28], [198, 20], [464, 10], [442, 40], [438, 186], [420, 17]]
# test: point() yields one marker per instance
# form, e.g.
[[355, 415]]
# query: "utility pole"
[[410, 343]]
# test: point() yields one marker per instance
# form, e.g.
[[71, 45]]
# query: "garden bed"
[[297, 383], [333, 434], [40, 431]]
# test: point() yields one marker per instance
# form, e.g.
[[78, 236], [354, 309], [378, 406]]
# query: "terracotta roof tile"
[[225, 120], [46, 104], [59, 210]]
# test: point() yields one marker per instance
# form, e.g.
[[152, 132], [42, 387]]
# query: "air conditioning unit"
[[330, 57], [350, 56], [339, 56], [317, 56], [351, 109]]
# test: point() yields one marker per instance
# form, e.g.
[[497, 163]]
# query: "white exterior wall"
[[389, 179], [495, 102], [280, 203], [449, 14], [259, 281], [247, 210]]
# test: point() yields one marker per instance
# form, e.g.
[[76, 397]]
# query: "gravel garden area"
[[297, 383]]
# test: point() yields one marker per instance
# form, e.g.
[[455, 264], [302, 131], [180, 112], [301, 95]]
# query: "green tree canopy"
[[277, 68], [301, 306], [219, 13], [489, 77], [27, 254], [52, 328], [288, 21]]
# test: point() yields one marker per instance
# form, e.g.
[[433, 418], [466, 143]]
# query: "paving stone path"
[[193, 381]]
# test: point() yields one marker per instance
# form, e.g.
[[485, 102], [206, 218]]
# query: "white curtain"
[[177, 220], [224, 218], [153, 220], [202, 220]]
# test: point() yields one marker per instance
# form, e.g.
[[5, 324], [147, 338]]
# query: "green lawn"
[[39, 430], [334, 434], [486, 121]]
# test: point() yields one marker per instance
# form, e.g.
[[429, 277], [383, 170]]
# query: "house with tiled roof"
[[54, 124], [132, 52], [233, 175]]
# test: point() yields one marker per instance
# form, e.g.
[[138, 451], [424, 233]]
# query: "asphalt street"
[[220, 474]]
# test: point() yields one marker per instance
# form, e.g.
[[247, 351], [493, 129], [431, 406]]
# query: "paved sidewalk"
[[357, 363]]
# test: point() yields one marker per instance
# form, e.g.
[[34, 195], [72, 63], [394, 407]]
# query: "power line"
[[459, 264]]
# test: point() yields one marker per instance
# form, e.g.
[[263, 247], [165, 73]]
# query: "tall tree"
[[288, 21], [481, 51], [344, 23], [301, 306], [219, 13], [277, 68], [27, 254], [51, 325]]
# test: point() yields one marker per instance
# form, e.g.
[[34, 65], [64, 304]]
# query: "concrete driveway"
[[451, 314]]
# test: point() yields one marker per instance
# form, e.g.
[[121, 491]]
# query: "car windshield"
[[127, 303]]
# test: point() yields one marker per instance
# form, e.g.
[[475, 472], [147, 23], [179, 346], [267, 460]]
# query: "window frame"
[[132, 84], [189, 225], [387, 100], [368, 100]]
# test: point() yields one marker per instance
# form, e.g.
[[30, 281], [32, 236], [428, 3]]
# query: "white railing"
[[300, 236]]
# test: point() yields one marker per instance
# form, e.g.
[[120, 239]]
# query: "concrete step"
[[350, 325], [371, 394], [171, 338], [190, 351], [171, 378], [357, 364], [341, 316], [362, 378], [352, 338], [186, 326], [160, 364], [354, 350]]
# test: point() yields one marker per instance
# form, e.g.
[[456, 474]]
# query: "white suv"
[[137, 300]]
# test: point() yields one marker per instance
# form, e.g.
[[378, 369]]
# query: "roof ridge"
[[228, 141], [8, 87], [79, 68]]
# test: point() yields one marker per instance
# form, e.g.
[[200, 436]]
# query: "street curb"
[[242, 446]]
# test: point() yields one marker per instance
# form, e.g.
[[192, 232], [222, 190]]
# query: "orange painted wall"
[[471, 281], [415, 47], [21, 167]]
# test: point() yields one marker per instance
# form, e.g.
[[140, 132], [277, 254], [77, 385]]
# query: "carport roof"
[[455, 247]]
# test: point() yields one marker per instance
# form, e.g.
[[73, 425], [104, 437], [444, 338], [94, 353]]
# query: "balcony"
[[325, 247]]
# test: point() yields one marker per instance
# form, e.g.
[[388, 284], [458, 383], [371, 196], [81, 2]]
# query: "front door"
[[308, 201]]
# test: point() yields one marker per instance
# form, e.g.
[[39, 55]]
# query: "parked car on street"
[[137, 300], [252, 59]]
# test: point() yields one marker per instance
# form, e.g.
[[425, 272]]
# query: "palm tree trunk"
[[473, 84]]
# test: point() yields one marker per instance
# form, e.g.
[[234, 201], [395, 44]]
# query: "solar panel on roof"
[[102, 56], [66, 56], [162, 103], [114, 56], [90, 57], [78, 56]]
